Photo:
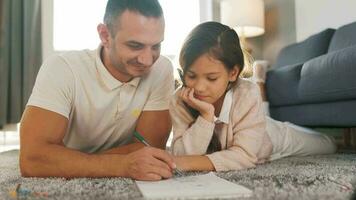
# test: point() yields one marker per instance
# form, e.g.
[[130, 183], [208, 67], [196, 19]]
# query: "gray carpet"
[[314, 177]]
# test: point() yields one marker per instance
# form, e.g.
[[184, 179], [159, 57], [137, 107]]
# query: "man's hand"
[[205, 109], [150, 164]]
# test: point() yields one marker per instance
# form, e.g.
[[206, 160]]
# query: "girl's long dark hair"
[[221, 43]]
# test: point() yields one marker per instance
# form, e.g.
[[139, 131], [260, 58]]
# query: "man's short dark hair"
[[114, 8]]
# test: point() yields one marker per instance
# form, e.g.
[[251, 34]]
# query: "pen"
[[138, 136]]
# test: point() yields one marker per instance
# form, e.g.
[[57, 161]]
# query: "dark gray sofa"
[[313, 83]]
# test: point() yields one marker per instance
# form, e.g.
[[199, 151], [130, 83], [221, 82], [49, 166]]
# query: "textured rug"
[[313, 177]]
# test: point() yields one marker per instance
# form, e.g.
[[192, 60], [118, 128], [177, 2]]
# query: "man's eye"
[[135, 46], [156, 47]]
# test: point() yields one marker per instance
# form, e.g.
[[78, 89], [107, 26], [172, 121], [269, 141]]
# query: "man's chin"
[[139, 73]]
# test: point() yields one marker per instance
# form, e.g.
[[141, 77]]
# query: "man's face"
[[136, 45]]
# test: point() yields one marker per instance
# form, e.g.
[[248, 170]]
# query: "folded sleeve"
[[249, 131], [54, 87], [190, 136]]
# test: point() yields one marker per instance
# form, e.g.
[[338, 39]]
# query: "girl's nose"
[[199, 86]]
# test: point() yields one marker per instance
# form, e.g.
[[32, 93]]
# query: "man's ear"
[[104, 35], [234, 73]]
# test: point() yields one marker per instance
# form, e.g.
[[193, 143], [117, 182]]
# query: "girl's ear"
[[234, 73]]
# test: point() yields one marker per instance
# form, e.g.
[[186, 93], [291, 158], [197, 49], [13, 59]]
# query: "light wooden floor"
[[9, 138]]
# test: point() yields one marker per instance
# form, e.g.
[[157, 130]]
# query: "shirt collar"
[[105, 76], [225, 109]]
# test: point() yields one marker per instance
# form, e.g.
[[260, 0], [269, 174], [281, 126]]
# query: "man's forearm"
[[58, 161], [124, 149], [129, 148]]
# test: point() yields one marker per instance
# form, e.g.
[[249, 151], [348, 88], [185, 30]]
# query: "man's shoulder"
[[163, 60], [82, 57], [68, 64], [161, 72], [162, 65], [71, 57]]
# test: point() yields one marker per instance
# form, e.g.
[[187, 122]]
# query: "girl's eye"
[[212, 79], [190, 76]]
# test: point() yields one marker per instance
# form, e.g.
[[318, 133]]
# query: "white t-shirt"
[[102, 111]]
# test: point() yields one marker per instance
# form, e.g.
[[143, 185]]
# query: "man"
[[85, 105]]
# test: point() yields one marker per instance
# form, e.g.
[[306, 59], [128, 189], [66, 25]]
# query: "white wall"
[[313, 16], [47, 28], [279, 26], [206, 10], [206, 14]]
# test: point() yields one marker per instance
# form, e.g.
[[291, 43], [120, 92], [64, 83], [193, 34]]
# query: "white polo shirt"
[[102, 111]]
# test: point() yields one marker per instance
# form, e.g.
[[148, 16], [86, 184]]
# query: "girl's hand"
[[205, 109]]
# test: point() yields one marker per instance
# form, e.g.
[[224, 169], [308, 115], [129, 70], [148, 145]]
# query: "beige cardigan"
[[244, 139]]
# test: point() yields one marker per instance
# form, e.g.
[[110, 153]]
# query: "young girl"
[[218, 118]]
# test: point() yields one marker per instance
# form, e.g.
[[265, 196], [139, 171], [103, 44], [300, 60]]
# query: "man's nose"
[[146, 57]]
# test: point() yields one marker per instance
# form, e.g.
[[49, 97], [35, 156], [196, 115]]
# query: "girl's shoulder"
[[246, 96], [245, 87]]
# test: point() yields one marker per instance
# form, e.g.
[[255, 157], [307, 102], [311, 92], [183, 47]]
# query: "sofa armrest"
[[282, 85], [330, 77]]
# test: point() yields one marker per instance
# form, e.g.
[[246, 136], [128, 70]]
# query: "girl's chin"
[[207, 100]]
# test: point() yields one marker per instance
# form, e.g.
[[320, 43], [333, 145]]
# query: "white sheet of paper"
[[200, 186]]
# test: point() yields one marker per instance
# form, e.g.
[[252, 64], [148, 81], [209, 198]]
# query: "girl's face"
[[209, 78]]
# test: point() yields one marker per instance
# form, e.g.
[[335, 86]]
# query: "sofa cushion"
[[331, 77], [301, 52], [282, 85], [344, 37]]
